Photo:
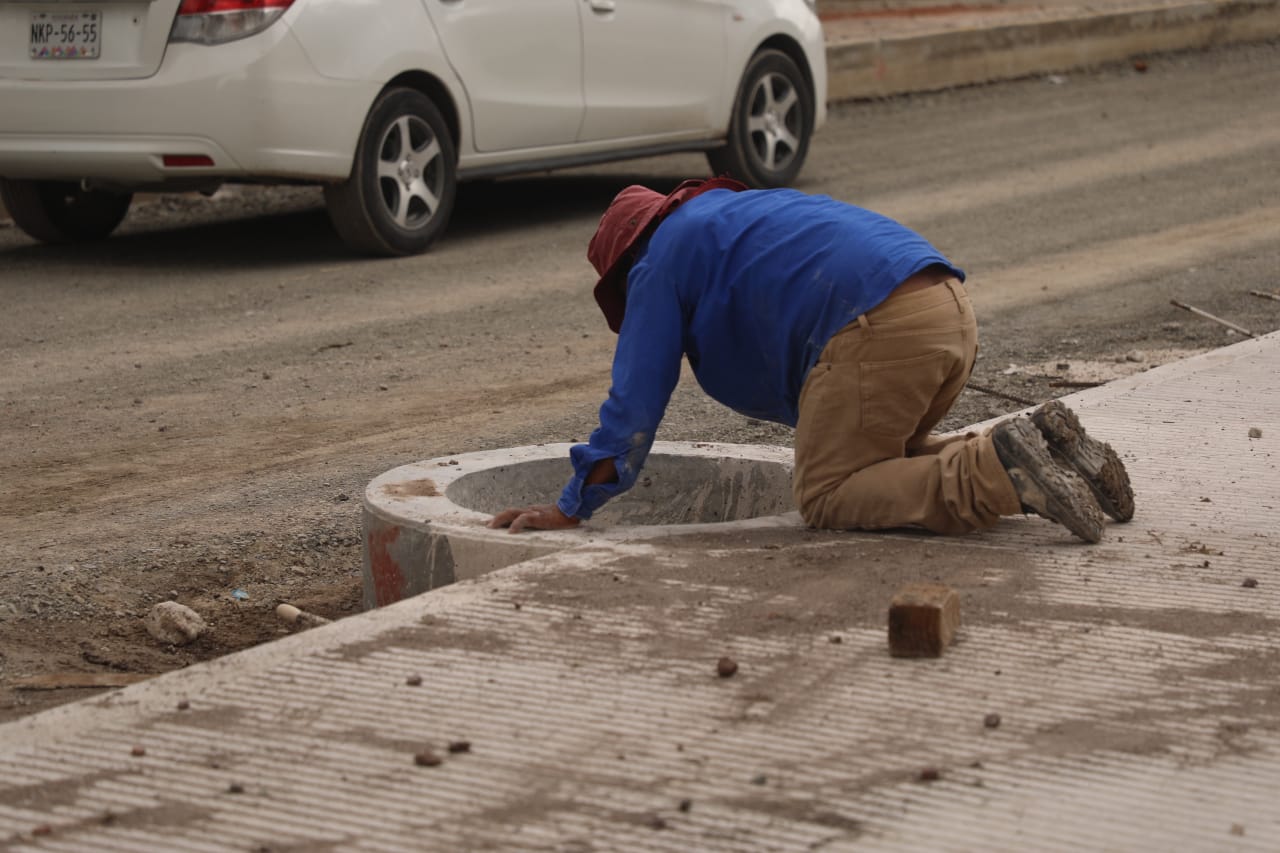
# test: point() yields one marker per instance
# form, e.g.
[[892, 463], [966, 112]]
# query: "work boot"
[[1044, 486], [1093, 460]]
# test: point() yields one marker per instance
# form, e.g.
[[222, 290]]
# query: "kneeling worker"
[[834, 320]]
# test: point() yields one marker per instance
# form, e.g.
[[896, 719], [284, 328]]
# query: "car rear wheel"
[[771, 124], [402, 185], [62, 211]]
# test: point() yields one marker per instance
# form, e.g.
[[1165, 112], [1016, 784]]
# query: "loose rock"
[[427, 758], [930, 774], [174, 623], [1249, 583], [991, 721], [726, 666], [297, 616], [413, 680], [1254, 432], [923, 620], [138, 751], [460, 746]]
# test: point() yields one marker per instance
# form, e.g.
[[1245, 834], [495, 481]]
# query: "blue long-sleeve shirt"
[[749, 286]]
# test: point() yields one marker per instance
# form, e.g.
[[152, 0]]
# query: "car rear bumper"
[[255, 108]]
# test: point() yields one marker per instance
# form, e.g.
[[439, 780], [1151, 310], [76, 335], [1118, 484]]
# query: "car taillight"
[[219, 21]]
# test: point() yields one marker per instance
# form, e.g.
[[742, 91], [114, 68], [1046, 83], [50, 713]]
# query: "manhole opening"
[[672, 489]]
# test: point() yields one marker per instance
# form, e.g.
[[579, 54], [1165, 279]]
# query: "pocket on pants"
[[896, 395]]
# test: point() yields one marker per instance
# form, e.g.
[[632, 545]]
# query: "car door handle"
[[602, 7]]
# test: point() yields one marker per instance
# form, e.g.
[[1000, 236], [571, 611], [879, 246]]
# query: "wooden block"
[[923, 618]]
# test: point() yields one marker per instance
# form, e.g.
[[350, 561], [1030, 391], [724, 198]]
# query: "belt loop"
[[862, 321]]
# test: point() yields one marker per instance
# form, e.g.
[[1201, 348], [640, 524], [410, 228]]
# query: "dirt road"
[[192, 409]]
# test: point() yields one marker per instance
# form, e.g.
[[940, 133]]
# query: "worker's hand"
[[541, 517]]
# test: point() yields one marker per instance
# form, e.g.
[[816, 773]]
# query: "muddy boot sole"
[[1094, 460], [1044, 486]]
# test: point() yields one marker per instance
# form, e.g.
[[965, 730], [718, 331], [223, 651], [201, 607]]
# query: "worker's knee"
[[813, 508]]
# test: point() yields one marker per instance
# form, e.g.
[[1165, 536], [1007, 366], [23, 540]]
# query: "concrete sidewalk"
[[572, 702], [898, 46]]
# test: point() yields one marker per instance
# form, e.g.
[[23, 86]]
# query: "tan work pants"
[[864, 454]]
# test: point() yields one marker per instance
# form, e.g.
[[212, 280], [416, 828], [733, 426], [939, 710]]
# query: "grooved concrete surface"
[[1137, 684]]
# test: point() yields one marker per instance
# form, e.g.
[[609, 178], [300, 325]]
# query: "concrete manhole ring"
[[424, 523]]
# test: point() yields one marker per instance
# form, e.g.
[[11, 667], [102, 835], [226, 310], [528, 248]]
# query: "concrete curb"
[[897, 64]]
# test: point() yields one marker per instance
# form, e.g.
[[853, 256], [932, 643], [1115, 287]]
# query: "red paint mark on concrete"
[[388, 579]]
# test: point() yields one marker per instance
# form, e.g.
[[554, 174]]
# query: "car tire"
[[401, 190], [63, 211], [771, 124]]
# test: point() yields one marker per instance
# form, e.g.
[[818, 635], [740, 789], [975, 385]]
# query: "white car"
[[387, 104]]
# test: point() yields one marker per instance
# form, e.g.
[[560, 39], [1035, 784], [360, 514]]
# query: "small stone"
[[685, 805], [427, 758], [235, 788], [837, 639], [382, 387], [458, 746], [923, 620], [343, 496], [174, 623], [414, 680], [930, 774], [1064, 365], [1254, 432], [1135, 356], [138, 751], [43, 829], [184, 705], [1249, 583], [1237, 829], [1140, 66], [760, 780], [726, 667], [991, 721]]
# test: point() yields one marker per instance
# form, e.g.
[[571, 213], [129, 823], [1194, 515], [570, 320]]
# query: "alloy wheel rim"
[[773, 122], [410, 173]]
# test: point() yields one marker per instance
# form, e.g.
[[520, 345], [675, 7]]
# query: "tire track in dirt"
[[1125, 259], [143, 473], [1202, 152]]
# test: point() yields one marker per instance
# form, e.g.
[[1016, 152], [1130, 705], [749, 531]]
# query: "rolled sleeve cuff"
[[580, 500], [577, 501]]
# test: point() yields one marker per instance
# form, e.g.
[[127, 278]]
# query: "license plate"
[[66, 35]]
